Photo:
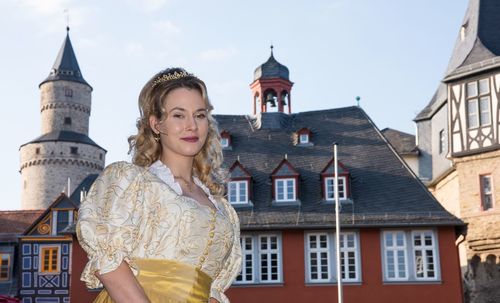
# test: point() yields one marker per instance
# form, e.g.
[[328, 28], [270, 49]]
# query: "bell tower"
[[271, 87]]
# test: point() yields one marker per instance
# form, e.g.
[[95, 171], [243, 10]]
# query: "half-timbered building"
[[459, 146]]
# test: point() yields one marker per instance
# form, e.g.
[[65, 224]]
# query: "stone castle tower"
[[63, 154]]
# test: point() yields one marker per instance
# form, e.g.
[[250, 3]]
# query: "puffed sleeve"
[[108, 221], [233, 264]]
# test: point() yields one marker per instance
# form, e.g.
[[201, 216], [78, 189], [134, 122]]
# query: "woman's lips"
[[190, 139]]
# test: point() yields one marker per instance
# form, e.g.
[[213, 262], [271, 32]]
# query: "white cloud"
[[217, 54], [167, 28]]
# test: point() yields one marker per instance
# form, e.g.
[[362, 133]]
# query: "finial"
[[357, 100], [272, 49], [238, 158], [286, 156]]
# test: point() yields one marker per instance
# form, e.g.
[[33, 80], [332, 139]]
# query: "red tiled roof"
[[16, 221]]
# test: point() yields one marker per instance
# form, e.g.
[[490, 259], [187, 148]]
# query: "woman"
[[158, 230]]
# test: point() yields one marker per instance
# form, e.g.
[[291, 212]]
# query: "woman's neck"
[[180, 166]]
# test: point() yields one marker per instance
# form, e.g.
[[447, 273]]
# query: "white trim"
[[224, 142], [285, 186], [423, 249], [238, 187], [410, 249], [345, 248], [342, 182], [394, 250], [318, 251], [257, 252], [332, 278], [269, 252], [247, 255]]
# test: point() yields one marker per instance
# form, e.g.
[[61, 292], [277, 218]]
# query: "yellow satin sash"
[[169, 281]]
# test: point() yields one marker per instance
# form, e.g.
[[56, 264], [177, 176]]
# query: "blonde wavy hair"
[[146, 150]]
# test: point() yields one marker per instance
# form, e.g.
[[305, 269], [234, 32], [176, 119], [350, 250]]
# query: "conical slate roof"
[[66, 66], [478, 42], [477, 49], [271, 69]]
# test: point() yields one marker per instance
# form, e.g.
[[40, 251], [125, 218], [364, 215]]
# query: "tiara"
[[171, 76]]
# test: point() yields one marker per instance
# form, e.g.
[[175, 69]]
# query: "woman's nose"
[[191, 123]]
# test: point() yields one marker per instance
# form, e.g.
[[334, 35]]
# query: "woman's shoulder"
[[120, 172]]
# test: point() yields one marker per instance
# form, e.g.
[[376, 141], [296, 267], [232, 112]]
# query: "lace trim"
[[163, 172]]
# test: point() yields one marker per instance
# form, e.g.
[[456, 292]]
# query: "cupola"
[[271, 87]]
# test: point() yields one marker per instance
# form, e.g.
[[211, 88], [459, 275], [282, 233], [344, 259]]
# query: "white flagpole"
[[337, 225]]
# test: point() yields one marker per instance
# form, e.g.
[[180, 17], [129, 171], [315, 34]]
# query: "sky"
[[390, 53]]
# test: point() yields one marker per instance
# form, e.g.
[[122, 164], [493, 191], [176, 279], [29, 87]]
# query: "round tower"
[[271, 87], [61, 158]]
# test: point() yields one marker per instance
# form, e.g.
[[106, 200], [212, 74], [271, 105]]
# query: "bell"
[[283, 99], [270, 99]]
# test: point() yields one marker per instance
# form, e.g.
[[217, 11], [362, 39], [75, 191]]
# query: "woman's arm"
[[122, 286]]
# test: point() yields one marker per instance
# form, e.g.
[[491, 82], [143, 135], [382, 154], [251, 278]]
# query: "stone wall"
[[65, 99], [45, 174]]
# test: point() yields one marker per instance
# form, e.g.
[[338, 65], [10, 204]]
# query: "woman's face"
[[184, 125]]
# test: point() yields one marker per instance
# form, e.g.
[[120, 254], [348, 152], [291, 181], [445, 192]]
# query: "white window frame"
[[257, 252], [332, 265], [395, 249], [286, 197], [342, 181], [224, 142], [247, 256], [423, 249], [303, 138], [317, 251], [239, 184], [410, 249]]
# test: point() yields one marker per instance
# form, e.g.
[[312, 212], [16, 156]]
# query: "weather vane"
[[66, 12]]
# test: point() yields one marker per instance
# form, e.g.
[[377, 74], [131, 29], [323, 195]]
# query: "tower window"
[[442, 141], [74, 150], [37, 150], [486, 192], [68, 92], [67, 121], [100, 156]]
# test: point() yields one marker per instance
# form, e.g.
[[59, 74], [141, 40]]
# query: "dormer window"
[[225, 139], [285, 180], [328, 182], [285, 189], [329, 185], [238, 191], [239, 187], [304, 137]]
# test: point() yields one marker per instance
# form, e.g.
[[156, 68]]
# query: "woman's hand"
[[212, 300], [122, 286]]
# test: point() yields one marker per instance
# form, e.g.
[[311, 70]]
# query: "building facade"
[[459, 145]]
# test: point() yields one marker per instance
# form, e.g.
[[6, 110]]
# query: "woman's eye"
[[201, 116], [177, 115]]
